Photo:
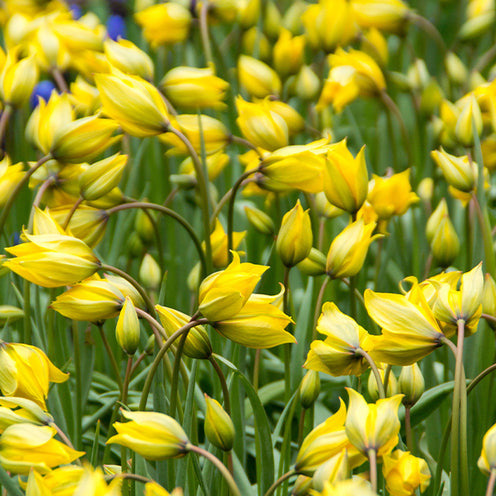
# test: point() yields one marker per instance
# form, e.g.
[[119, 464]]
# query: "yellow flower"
[[349, 249], [373, 426], [84, 97], [194, 88], [331, 471], [487, 459], [134, 103], [218, 241], [27, 372], [18, 78], [409, 328], [128, 58], [391, 195], [339, 353], [466, 304], [292, 118], [52, 260], [260, 125], [470, 118], [405, 473], [164, 23], [26, 446], [288, 53], [91, 482], [154, 489], [489, 299], [325, 441], [219, 427], [197, 344], [257, 78], [295, 237], [127, 330], [480, 17], [346, 178], [10, 176], [350, 487], [445, 244], [215, 163], [16, 410], [259, 324], [154, 436], [329, 24], [49, 50], [64, 480], [411, 383], [386, 15]]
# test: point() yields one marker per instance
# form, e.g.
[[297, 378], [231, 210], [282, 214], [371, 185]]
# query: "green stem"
[[155, 324], [245, 143], [223, 383], [78, 437], [429, 29], [487, 239], [72, 212], [111, 356], [408, 429], [156, 362], [202, 188], [287, 347], [318, 305], [167, 211], [387, 374], [124, 395], [218, 464], [175, 373], [204, 33], [372, 455], [256, 369], [301, 426], [279, 481], [375, 370]]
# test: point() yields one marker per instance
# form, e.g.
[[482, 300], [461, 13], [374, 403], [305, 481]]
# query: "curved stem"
[[175, 373], [152, 321], [490, 483], [128, 475], [218, 464], [156, 362], [4, 120], [223, 383], [59, 80], [375, 370], [72, 212], [387, 374], [485, 59], [172, 214], [279, 481], [8, 205], [202, 188], [450, 345], [111, 356], [429, 29], [244, 142], [204, 33], [131, 280]]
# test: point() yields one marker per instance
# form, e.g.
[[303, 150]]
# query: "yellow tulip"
[[150, 273], [405, 473], [127, 330], [91, 482], [154, 436], [260, 220], [470, 119], [309, 389], [194, 88], [165, 23], [52, 260], [480, 17], [77, 36], [349, 249], [65, 478], [218, 241], [295, 238], [154, 489], [391, 195], [314, 264], [134, 103], [18, 78], [410, 330], [334, 470], [215, 163], [128, 58], [16, 410], [374, 43], [339, 354], [373, 389], [84, 96], [411, 383], [373, 426], [445, 244], [219, 427], [349, 487], [386, 15], [292, 118], [487, 459], [260, 125], [10, 176], [307, 84], [49, 50], [26, 446], [346, 178], [458, 171], [288, 53], [257, 78], [197, 344], [489, 299]]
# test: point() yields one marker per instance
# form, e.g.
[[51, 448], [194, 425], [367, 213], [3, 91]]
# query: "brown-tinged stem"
[[218, 464], [490, 483], [204, 33], [223, 383], [128, 475], [244, 142], [408, 428], [375, 370], [318, 305], [111, 356], [4, 120], [8, 204], [387, 374], [372, 455], [72, 212], [166, 211], [155, 324], [59, 80], [429, 29], [279, 481], [62, 435], [137, 362], [486, 58]]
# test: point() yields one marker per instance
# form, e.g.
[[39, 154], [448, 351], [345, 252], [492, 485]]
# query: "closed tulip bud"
[[418, 75], [487, 459], [372, 388], [489, 299], [102, 177], [261, 126], [194, 278], [292, 18], [302, 486], [135, 245], [154, 436], [150, 273], [18, 79], [9, 314], [349, 248], [248, 12], [134, 103], [253, 38], [128, 58], [405, 474], [477, 23], [445, 244], [386, 15], [295, 237], [257, 78], [458, 171], [456, 70], [314, 264], [346, 178], [470, 120], [309, 389], [164, 23], [435, 218], [425, 189], [194, 88], [333, 470], [150, 345], [307, 84], [411, 384], [288, 53], [272, 20], [219, 427], [127, 330], [431, 97], [144, 226], [260, 220], [197, 344], [375, 44]]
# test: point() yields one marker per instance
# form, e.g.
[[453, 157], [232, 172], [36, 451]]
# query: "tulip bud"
[[272, 20], [309, 389], [445, 244], [194, 278], [411, 383], [292, 18], [477, 25], [487, 460], [9, 314], [434, 220], [307, 84], [102, 177], [458, 171], [470, 119], [418, 75], [249, 11], [150, 345], [392, 387], [314, 264], [219, 427], [295, 237], [288, 53], [431, 97], [144, 226], [127, 330], [405, 473], [135, 245], [302, 486], [456, 70], [128, 58], [17, 79], [254, 39], [260, 220], [150, 273], [375, 44], [425, 189], [489, 299], [257, 78]]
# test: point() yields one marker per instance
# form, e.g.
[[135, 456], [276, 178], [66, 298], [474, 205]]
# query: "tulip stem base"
[[491, 482], [375, 371], [279, 481], [372, 455]]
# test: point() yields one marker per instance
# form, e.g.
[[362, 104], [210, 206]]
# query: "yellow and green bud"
[[309, 388], [219, 427], [127, 331], [150, 273], [257, 78], [128, 58], [411, 383], [102, 177], [314, 264]]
